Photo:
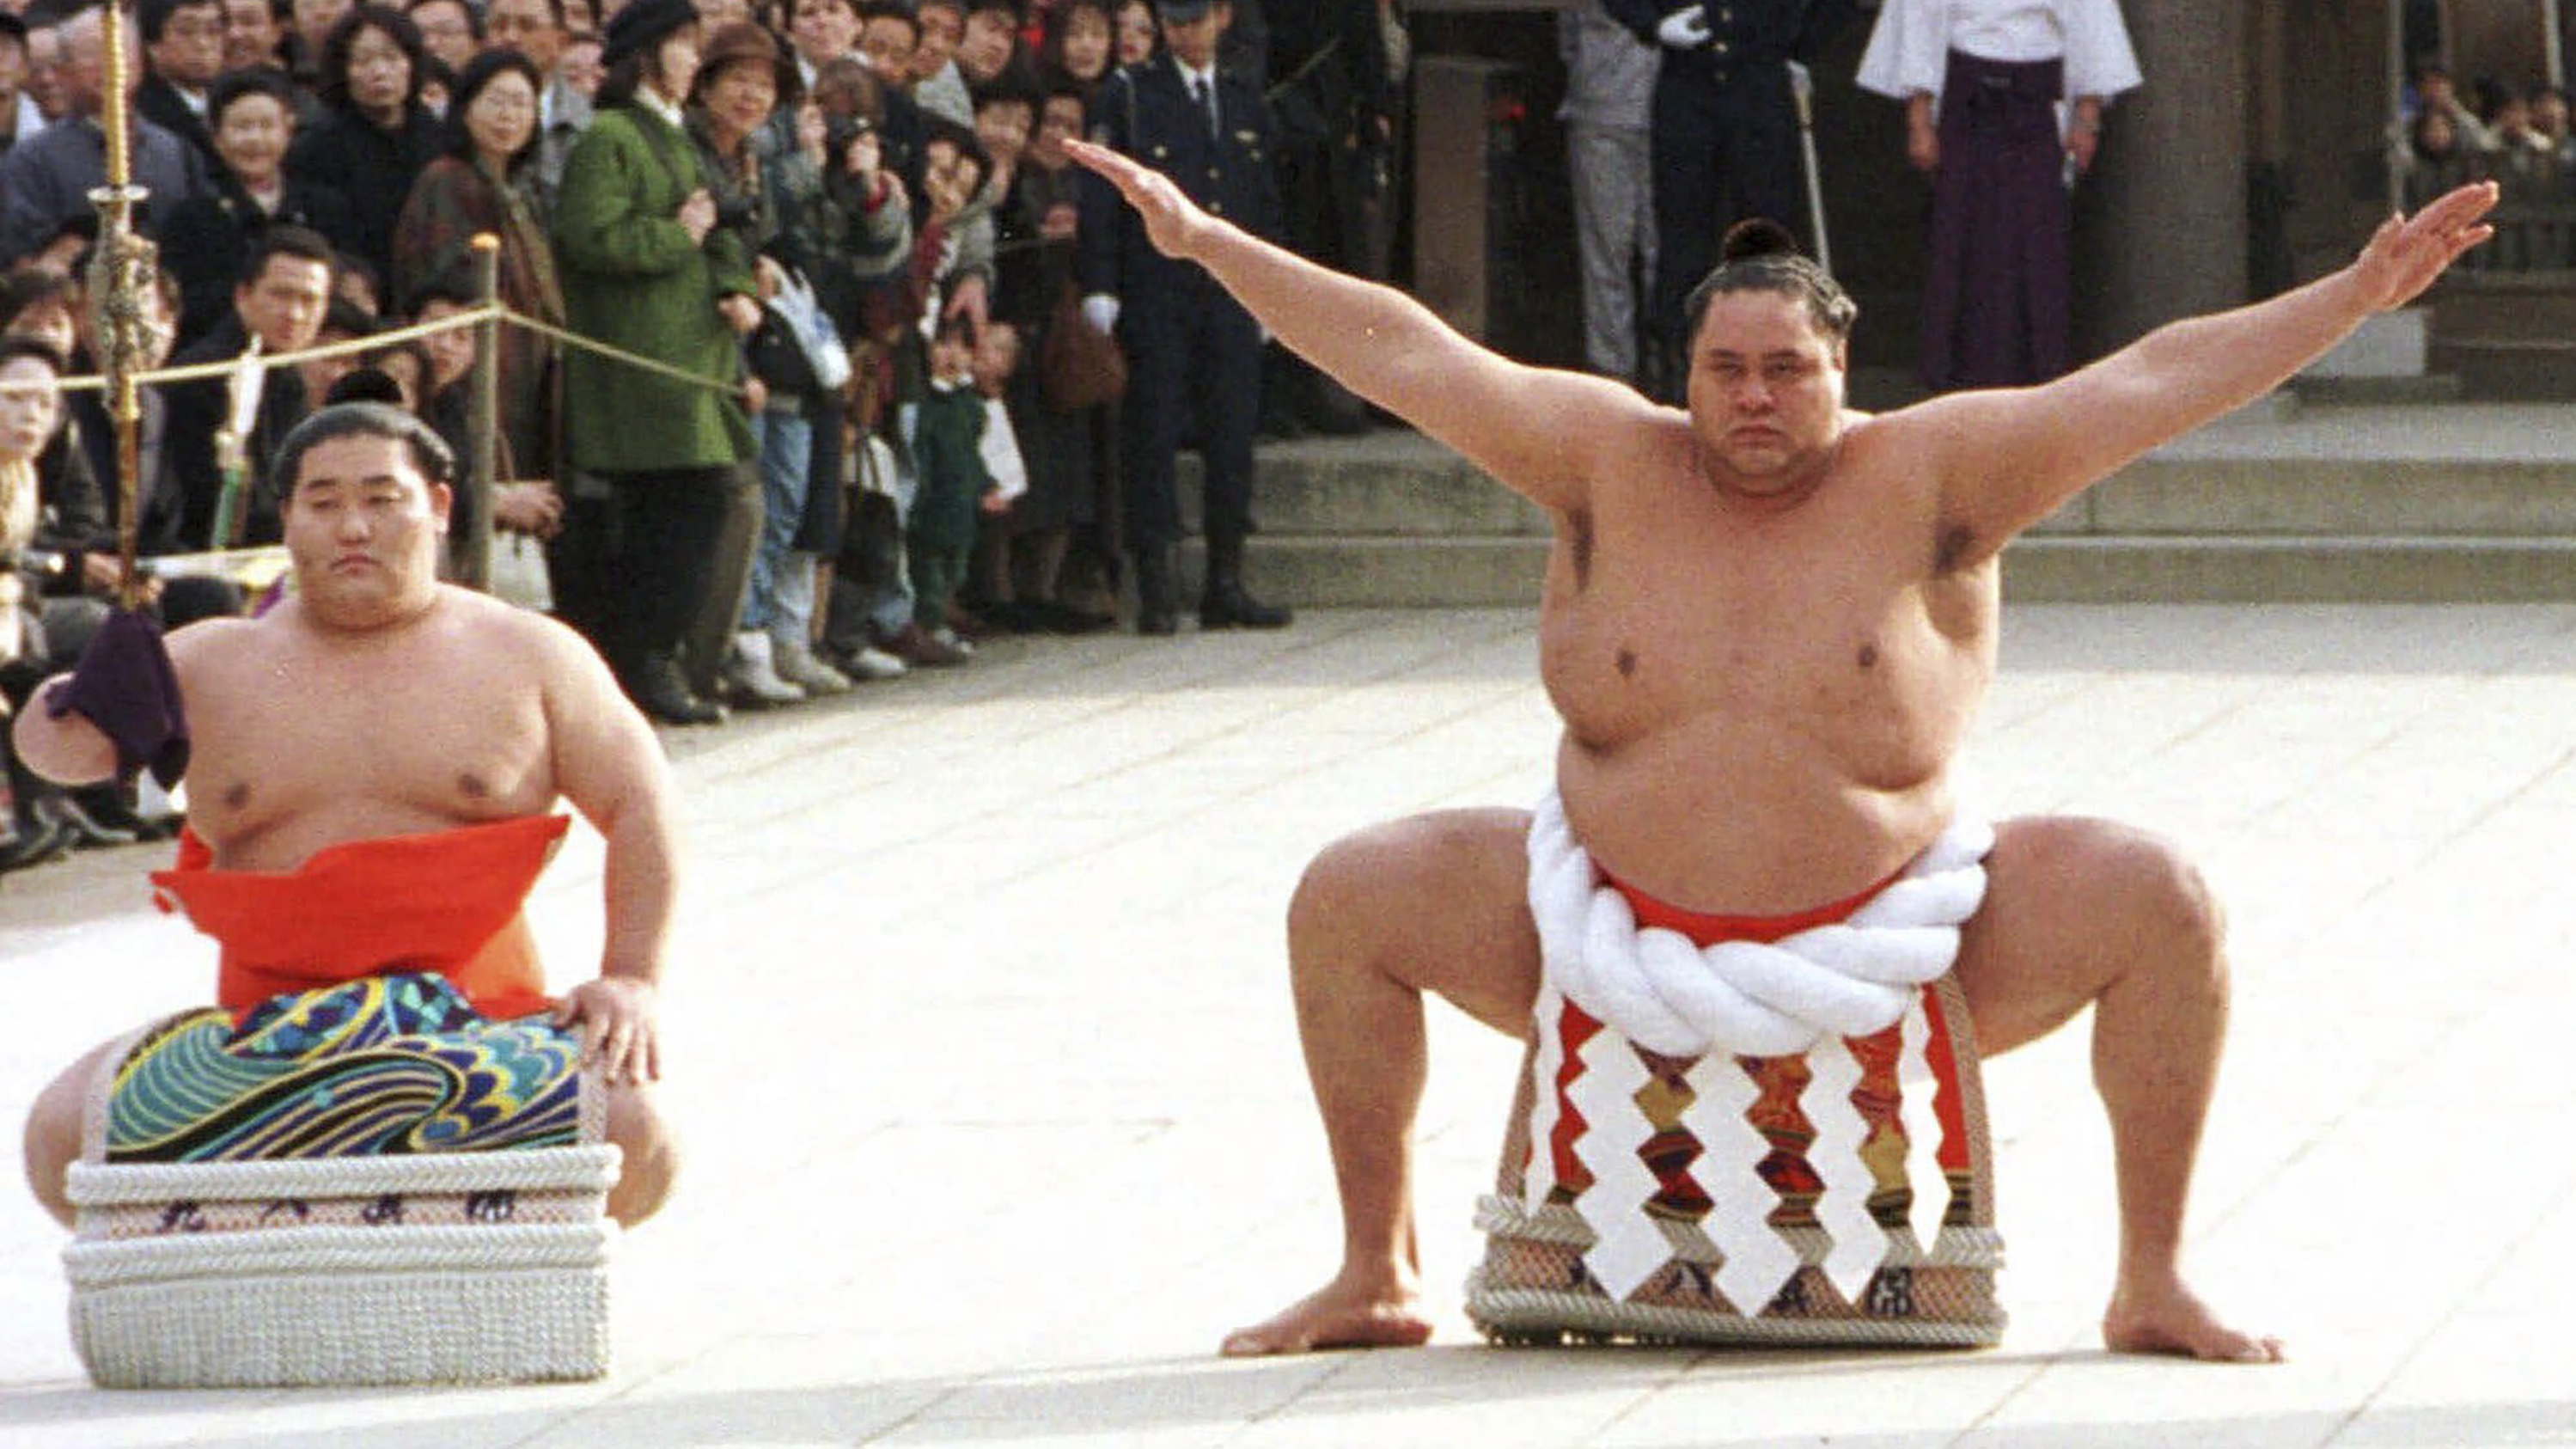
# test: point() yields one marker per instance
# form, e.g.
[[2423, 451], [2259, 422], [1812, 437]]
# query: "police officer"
[[1725, 127], [1193, 353]]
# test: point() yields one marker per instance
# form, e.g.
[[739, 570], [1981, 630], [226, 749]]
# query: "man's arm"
[[610, 767], [73, 750], [67, 751], [2009, 457], [1534, 429]]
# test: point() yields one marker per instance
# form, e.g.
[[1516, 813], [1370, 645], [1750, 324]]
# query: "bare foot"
[[2168, 1317], [1345, 1313]]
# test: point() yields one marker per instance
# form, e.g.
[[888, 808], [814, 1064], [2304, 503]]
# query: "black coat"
[[1741, 32], [206, 241], [197, 411], [71, 509], [1146, 112], [1328, 71], [372, 169], [164, 500], [162, 105]]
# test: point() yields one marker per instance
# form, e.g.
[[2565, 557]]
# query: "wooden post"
[[2398, 150], [483, 415]]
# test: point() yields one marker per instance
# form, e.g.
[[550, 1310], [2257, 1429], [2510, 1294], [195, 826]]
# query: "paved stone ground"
[[982, 1049]]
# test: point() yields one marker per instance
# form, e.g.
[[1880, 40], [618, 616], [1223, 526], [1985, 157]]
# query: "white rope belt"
[[1805, 993], [1744, 997]]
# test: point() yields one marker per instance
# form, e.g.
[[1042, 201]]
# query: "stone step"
[[1399, 486], [2505, 304], [1506, 570], [1380, 483], [1377, 571], [2327, 497], [2374, 392], [2511, 368], [2348, 568]]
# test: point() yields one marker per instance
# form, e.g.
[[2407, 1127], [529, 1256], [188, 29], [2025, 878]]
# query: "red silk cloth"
[[446, 901]]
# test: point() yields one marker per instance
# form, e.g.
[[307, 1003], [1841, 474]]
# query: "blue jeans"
[[786, 462]]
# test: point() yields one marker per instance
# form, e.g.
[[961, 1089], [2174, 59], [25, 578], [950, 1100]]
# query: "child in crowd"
[[946, 434], [896, 314], [997, 360]]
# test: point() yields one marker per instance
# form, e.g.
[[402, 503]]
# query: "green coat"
[[632, 279], [947, 451]]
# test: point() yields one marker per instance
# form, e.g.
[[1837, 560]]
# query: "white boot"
[[752, 678], [798, 666]]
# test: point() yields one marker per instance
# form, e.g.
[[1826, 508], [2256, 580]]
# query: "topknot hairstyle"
[[364, 419], [1759, 255]]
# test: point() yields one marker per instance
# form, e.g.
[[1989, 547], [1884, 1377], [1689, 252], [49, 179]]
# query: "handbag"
[[796, 306], [797, 349], [1079, 366]]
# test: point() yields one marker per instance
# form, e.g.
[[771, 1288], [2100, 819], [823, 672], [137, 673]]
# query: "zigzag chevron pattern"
[[1628, 1247]]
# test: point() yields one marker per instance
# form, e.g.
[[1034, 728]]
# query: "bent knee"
[[52, 1145], [2166, 903], [54, 1128], [1384, 874], [648, 1158]]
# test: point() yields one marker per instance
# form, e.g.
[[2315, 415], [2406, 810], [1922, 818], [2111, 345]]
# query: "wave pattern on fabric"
[[385, 1065]]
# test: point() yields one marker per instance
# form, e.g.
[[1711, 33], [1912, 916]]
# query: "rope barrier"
[[618, 354], [474, 317]]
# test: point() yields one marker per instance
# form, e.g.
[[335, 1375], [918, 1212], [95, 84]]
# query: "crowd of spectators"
[[883, 427], [2517, 138]]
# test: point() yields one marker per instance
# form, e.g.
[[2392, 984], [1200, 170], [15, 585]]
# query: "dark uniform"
[[1725, 128], [1193, 353], [1334, 103]]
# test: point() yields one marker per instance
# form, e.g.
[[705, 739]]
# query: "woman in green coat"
[[647, 269]]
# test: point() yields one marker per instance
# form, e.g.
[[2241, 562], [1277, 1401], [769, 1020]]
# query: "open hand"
[[2407, 253], [621, 1043], [1173, 222]]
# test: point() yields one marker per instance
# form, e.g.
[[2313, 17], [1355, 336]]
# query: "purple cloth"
[[1995, 291], [126, 687]]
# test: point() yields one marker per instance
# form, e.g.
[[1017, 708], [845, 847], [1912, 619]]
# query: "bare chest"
[[295, 749], [1836, 627]]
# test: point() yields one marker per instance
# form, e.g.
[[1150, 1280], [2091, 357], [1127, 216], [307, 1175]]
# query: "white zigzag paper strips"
[[1539, 1176], [1758, 1261], [1922, 1122], [1627, 1246], [1842, 1204]]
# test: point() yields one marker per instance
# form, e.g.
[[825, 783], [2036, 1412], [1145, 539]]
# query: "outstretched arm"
[[1532, 428], [2009, 457]]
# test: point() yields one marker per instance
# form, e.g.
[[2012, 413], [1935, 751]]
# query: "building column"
[[2161, 224]]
